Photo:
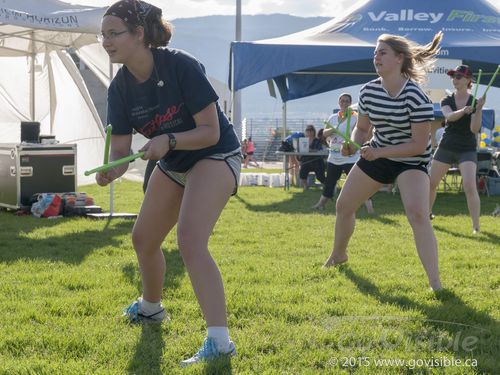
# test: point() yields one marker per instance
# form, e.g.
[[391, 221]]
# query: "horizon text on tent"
[[406, 15]]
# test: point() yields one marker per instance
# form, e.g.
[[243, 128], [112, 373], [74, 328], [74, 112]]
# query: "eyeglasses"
[[111, 35], [457, 76]]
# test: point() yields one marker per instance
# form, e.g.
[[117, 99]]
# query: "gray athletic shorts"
[[453, 157], [233, 159]]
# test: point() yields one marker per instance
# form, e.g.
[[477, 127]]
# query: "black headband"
[[134, 12]]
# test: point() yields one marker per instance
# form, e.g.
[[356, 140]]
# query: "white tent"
[[39, 80]]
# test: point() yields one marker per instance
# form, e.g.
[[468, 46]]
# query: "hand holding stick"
[[346, 138], [348, 126]]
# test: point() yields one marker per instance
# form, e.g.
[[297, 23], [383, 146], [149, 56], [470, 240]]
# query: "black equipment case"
[[29, 168]]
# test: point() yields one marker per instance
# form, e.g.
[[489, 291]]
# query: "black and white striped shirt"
[[392, 117]]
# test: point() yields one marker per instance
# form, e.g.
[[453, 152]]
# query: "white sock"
[[149, 307], [221, 337]]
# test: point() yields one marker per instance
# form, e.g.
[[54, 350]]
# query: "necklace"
[[159, 82]]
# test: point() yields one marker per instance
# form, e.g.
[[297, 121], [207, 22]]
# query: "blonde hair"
[[418, 59]]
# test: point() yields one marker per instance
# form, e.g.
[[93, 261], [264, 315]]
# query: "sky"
[[196, 8], [173, 9]]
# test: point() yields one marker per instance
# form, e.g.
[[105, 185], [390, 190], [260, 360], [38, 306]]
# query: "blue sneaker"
[[208, 352], [135, 314]]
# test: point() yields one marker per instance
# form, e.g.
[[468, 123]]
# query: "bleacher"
[[266, 143]]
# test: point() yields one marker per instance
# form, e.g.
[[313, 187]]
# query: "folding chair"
[[454, 182], [484, 166]]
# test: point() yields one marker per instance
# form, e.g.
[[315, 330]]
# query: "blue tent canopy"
[[339, 53]]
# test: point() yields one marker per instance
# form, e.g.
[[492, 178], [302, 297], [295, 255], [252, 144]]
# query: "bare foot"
[[332, 262], [316, 207], [435, 284], [437, 288]]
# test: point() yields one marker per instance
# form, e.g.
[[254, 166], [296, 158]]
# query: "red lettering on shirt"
[[154, 125]]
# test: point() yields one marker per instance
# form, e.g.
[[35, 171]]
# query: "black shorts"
[[451, 157], [386, 171]]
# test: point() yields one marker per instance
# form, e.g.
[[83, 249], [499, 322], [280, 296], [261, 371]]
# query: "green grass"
[[64, 282]]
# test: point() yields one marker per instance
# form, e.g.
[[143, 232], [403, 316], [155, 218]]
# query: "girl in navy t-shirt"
[[165, 95]]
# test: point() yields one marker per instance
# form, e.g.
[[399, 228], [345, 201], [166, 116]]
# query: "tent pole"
[[283, 124], [236, 97], [32, 78], [232, 86], [111, 186], [111, 189], [233, 94], [285, 157]]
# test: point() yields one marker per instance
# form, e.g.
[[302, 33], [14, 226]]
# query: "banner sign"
[[59, 18]]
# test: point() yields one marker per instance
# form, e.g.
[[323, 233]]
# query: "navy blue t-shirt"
[[153, 110]]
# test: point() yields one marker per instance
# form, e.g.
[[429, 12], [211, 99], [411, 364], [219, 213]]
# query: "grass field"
[[64, 282]]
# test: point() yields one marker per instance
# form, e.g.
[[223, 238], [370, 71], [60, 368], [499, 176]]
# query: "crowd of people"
[[196, 156]]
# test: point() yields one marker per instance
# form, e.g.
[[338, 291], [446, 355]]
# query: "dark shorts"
[[453, 157], [317, 166], [386, 171], [233, 160]]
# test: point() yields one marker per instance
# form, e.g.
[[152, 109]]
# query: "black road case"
[[26, 169]]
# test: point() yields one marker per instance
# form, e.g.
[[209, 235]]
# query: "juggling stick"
[[347, 139], [115, 163], [477, 85], [348, 126], [492, 79], [108, 142], [104, 168]]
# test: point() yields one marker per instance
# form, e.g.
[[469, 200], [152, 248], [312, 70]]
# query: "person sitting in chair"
[[314, 164]]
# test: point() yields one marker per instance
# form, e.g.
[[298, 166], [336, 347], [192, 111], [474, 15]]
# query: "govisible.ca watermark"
[[400, 333], [406, 335], [411, 363]]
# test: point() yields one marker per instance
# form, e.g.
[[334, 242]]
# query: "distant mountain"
[[209, 38]]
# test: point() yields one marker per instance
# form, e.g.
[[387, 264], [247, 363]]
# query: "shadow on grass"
[[71, 248], [455, 203], [298, 201], [220, 366], [473, 333], [148, 352], [482, 237]]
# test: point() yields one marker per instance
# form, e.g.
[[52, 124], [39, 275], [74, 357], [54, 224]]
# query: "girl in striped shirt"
[[400, 148]]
